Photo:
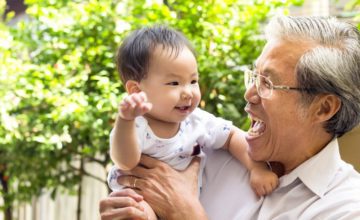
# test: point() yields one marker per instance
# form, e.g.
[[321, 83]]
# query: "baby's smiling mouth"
[[183, 108]]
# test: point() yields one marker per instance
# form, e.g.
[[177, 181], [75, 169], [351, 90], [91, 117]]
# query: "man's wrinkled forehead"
[[281, 55], [268, 62]]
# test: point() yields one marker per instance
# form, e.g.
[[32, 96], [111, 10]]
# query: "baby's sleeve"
[[217, 130]]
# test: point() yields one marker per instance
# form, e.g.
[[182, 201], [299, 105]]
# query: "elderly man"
[[303, 93]]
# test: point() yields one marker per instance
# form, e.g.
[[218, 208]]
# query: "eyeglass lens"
[[263, 85]]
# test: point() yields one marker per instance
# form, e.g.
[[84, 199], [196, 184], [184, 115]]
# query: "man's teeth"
[[257, 128]]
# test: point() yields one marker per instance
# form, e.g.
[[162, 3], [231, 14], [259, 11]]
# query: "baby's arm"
[[125, 151], [262, 180]]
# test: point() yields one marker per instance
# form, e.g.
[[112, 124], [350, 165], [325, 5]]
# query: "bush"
[[60, 91]]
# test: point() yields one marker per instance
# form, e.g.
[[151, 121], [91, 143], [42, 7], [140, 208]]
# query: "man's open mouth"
[[257, 127]]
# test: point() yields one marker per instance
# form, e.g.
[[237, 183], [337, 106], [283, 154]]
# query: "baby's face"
[[172, 84]]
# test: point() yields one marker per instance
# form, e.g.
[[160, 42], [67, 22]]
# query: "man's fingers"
[[138, 171], [131, 182], [149, 162], [118, 202], [123, 213], [195, 162], [127, 192], [193, 166]]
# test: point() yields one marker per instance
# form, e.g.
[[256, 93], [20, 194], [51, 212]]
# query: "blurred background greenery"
[[59, 90]]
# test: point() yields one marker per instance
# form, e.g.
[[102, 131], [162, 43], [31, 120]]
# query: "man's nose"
[[251, 95]]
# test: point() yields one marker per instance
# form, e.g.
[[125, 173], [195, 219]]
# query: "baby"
[[160, 116]]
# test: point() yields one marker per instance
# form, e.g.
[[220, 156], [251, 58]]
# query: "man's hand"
[[125, 204], [172, 194], [134, 105]]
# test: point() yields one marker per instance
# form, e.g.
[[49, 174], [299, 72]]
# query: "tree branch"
[[86, 173]]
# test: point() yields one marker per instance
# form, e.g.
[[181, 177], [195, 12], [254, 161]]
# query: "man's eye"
[[266, 83], [172, 83]]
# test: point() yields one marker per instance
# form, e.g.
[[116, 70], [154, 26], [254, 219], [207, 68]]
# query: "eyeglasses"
[[263, 84]]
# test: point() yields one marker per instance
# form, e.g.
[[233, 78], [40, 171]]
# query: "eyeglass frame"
[[251, 74]]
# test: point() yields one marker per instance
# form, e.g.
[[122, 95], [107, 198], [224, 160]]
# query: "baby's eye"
[[173, 83], [194, 81]]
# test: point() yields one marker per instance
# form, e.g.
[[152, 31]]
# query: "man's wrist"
[[192, 209]]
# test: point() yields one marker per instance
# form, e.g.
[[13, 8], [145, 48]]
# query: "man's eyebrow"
[[270, 72]]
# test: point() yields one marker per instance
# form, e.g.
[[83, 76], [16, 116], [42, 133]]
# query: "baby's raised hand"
[[134, 105]]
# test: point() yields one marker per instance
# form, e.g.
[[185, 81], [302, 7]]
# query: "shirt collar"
[[317, 172]]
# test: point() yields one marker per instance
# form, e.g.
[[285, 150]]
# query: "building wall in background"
[[350, 147]]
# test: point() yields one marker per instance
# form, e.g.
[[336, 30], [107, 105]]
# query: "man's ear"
[[132, 86], [327, 106]]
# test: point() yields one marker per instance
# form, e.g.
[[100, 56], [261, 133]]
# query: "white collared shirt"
[[323, 187]]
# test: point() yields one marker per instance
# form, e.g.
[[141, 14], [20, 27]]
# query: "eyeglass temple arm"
[[289, 88]]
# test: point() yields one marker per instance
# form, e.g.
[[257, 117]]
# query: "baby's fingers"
[[268, 189], [260, 191], [142, 96], [142, 108], [146, 107], [128, 101], [138, 98]]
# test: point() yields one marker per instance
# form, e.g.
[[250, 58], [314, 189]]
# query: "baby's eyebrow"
[[172, 75], [195, 74]]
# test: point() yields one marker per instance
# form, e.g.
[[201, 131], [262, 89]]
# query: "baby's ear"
[[132, 87]]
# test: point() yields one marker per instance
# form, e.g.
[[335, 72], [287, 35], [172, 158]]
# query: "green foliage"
[[354, 7], [59, 89], [61, 95], [2, 6]]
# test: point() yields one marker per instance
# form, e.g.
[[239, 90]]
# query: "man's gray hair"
[[332, 66]]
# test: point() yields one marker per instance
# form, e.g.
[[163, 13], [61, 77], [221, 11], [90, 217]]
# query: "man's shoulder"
[[347, 175], [342, 199], [346, 183]]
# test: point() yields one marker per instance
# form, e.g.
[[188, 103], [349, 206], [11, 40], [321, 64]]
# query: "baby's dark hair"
[[134, 54]]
